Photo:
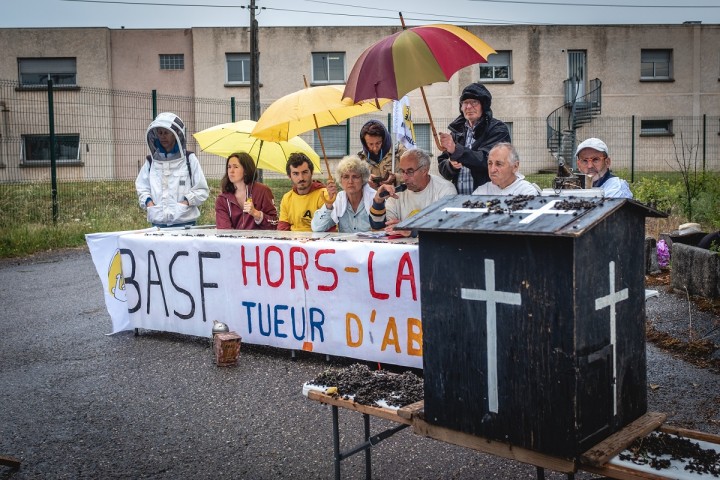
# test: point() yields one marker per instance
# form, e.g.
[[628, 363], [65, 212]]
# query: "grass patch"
[[27, 226], [26, 213]]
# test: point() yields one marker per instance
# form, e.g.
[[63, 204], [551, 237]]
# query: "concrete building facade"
[[650, 80]]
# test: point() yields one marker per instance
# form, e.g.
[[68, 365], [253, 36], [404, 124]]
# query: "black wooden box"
[[533, 318]]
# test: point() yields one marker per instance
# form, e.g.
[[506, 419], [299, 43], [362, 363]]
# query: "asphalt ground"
[[76, 403]]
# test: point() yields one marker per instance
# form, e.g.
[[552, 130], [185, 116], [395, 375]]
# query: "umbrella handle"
[[317, 130], [427, 107], [322, 146], [432, 124]]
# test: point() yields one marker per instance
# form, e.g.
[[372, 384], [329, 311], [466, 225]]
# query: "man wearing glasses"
[[472, 134], [422, 189], [593, 160]]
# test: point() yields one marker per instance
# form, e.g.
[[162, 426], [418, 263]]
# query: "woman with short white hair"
[[350, 210]]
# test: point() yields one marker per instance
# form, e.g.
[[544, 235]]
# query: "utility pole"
[[254, 66]]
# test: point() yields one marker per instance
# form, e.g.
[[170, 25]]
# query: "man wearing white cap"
[[593, 160]]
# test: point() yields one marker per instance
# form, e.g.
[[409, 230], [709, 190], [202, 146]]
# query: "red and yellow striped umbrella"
[[413, 58]]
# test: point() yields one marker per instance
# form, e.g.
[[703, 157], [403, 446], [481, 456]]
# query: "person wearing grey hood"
[[472, 134], [171, 184], [378, 153]]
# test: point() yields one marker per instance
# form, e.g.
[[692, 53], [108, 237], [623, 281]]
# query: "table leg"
[[368, 443], [368, 460], [336, 441]]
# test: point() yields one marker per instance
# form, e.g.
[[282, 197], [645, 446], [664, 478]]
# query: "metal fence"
[[100, 137]]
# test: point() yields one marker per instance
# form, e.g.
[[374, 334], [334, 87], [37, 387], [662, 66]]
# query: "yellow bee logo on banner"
[[116, 281]]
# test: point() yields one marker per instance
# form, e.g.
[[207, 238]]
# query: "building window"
[[423, 136], [498, 68], [172, 62], [335, 140], [657, 128], [36, 71], [36, 149], [328, 67], [656, 64], [238, 68]]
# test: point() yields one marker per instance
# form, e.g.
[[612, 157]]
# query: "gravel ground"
[[692, 396], [671, 312], [75, 403]]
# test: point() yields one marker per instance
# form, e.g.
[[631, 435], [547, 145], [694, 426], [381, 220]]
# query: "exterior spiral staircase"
[[563, 122]]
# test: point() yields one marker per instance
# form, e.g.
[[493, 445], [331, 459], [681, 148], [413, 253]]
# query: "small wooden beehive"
[[533, 318], [227, 349]]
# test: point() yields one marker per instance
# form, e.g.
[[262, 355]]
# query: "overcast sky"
[[211, 13]]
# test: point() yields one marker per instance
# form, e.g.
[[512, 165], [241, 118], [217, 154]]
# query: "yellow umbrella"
[[228, 138], [308, 109]]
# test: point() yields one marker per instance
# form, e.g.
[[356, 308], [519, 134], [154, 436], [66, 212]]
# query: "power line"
[[614, 5], [364, 7], [466, 20], [416, 19], [155, 4], [425, 17]]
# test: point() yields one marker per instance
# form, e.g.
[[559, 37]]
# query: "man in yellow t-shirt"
[[299, 204]]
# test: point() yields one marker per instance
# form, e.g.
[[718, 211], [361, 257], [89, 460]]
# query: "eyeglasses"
[[470, 103], [410, 171], [591, 159]]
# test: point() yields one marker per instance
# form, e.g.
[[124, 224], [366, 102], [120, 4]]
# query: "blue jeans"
[[175, 225]]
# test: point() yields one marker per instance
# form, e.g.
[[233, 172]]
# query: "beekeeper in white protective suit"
[[171, 184]]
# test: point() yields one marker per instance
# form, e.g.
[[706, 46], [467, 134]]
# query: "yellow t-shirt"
[[298, 210]]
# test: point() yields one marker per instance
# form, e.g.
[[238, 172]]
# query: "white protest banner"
[[348, 298], [106, 257]]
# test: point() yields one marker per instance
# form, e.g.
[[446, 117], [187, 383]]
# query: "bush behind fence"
[[104, 146]]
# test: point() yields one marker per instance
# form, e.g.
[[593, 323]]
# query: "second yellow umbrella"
[[228, 138], [308, 109]]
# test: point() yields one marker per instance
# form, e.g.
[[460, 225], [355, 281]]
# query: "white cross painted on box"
[[492, 297], [546, 209], [611, 300]]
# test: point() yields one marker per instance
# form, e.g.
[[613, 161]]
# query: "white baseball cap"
[[594, 143]]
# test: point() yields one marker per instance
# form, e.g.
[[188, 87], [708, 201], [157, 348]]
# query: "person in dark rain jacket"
[[472, 134]]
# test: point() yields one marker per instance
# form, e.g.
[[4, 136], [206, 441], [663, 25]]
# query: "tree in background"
[[686, 163]]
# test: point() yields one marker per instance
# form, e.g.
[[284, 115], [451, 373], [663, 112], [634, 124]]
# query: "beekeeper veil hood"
[[171, 122]]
